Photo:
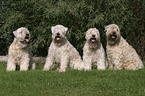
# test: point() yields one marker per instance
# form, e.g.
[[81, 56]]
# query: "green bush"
[[78, 15]]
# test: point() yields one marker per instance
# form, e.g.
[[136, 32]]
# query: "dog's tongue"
[[57, 38], [113, 37], [93, 40], [27, 40]]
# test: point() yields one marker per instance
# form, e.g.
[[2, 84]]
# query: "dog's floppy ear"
[[106, 28], [66, 29], [97, 31], [15, 33], [117, 29], [52, 29], [87, 35]]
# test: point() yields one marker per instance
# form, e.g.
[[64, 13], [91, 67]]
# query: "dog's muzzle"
[[58, 37], [25, 40], [113, 35], [27, 37], [93, 39]]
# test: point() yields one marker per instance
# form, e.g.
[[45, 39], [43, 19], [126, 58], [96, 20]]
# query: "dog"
[[19, 52], [93, 51], [119, 53], [61, 51]]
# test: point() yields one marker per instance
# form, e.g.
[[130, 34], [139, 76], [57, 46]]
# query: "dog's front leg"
[[101, 62], [64, 63], [87, 60], [49, 63], [24, 64], [11, 66], [117, 62]]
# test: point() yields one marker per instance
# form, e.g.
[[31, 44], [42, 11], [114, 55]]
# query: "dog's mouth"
[[25, 41], [93, 40], [27, 38], [57, 38], [113, 37]]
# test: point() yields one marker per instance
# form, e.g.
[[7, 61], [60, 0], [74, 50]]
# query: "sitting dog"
[[61, 51], [93, 51], [19, 52], [119, 53]]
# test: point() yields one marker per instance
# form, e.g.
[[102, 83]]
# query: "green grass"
[[71, 83]]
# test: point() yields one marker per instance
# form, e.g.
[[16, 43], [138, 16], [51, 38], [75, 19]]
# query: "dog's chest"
[[18, 55], [57, 56], [95, 55], [58, 52], [114, 52]]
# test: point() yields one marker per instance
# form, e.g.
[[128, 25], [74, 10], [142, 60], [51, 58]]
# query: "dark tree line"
[[78, 15]]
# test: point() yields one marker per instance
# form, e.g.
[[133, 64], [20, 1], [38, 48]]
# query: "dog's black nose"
[[114, 33], [27, 35], [93, 35], [58, 33]]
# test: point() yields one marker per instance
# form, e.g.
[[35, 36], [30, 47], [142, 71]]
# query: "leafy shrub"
[[78, 15]]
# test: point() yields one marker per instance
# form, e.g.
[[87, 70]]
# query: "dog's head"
[[22, 36], [93, 37], [58, 33], [112, 34]]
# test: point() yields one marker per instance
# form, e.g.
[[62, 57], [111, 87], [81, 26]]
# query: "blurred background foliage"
[[78, 15]]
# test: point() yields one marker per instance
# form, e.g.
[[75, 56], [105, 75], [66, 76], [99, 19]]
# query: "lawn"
[[71, 83]]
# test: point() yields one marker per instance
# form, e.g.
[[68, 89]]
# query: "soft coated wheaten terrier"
[[93, 51], [19, 52], [120, 54], [61, 51]]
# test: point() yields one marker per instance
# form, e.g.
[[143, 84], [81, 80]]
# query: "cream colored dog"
[[19, 52], [93, 51], [120, 54], [61, 51]]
